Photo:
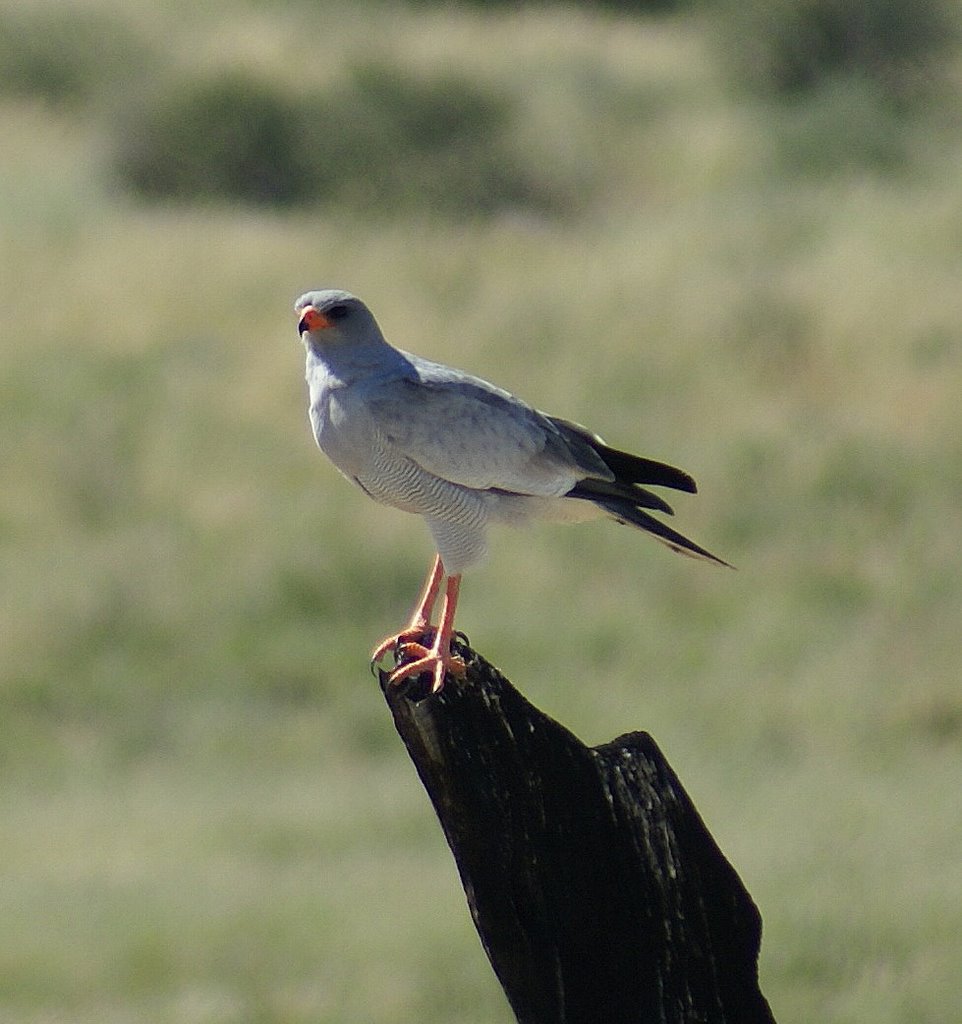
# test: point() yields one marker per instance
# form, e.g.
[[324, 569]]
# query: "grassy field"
[[205, 815]]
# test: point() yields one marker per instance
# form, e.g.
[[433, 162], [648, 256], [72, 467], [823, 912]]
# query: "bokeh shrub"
[[67, 55], [790, 47], [618, 6], [380, 139], [844, 126], [229, 137], [387, 138], [846, 85]]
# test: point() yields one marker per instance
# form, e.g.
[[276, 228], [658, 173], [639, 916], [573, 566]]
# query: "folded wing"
[[469, 433]]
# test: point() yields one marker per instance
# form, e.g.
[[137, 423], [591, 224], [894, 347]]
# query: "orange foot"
[[434, 659], [419, 628], [414, 635]]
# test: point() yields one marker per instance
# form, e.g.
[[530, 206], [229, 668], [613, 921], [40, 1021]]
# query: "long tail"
[[626, 468], [624, 498], [623, 511]]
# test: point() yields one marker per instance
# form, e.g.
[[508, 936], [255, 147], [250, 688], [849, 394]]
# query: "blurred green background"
[[727, 235]]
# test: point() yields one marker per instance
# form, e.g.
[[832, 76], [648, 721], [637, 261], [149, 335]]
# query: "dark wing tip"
[[625, 467], [624, 512], [639, 470], [591, 489]]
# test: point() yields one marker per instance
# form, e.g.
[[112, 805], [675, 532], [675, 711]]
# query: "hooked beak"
[[311, 320]]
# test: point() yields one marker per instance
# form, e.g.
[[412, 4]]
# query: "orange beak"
[[311, 320]]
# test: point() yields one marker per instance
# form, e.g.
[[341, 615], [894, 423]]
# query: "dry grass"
[[206, 816]]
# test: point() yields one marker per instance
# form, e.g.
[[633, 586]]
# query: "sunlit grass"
[[206, 813]]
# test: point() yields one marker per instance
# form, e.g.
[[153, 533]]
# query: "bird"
[[462, 453]]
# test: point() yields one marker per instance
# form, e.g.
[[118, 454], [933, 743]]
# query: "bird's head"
[[333, 317]]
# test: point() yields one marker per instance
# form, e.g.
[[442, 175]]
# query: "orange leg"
[[437, 658], [420, 622]]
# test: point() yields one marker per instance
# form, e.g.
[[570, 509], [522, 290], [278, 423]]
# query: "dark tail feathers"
[[624, 512], [624, 497]]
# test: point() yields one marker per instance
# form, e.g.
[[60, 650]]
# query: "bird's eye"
[[338, 312]]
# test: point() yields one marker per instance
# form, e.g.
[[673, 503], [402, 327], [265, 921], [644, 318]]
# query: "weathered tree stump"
[[598, 892]]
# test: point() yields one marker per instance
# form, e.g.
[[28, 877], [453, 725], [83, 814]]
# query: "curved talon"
[[420, 625], [397, 641], [432, 661], [438, 658]]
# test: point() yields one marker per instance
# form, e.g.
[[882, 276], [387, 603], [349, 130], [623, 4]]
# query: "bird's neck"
[[340, 365]]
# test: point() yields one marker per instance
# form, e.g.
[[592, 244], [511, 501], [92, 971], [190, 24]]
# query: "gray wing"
[[464, 430]]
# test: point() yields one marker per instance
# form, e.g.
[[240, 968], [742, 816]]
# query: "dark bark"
[[598, 892]]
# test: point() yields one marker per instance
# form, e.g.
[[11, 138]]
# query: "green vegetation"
[[206, 816], [793, 46], [68, 55], [380, 141]]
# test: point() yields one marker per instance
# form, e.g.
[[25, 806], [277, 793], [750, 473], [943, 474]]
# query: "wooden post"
[[598, 892]]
